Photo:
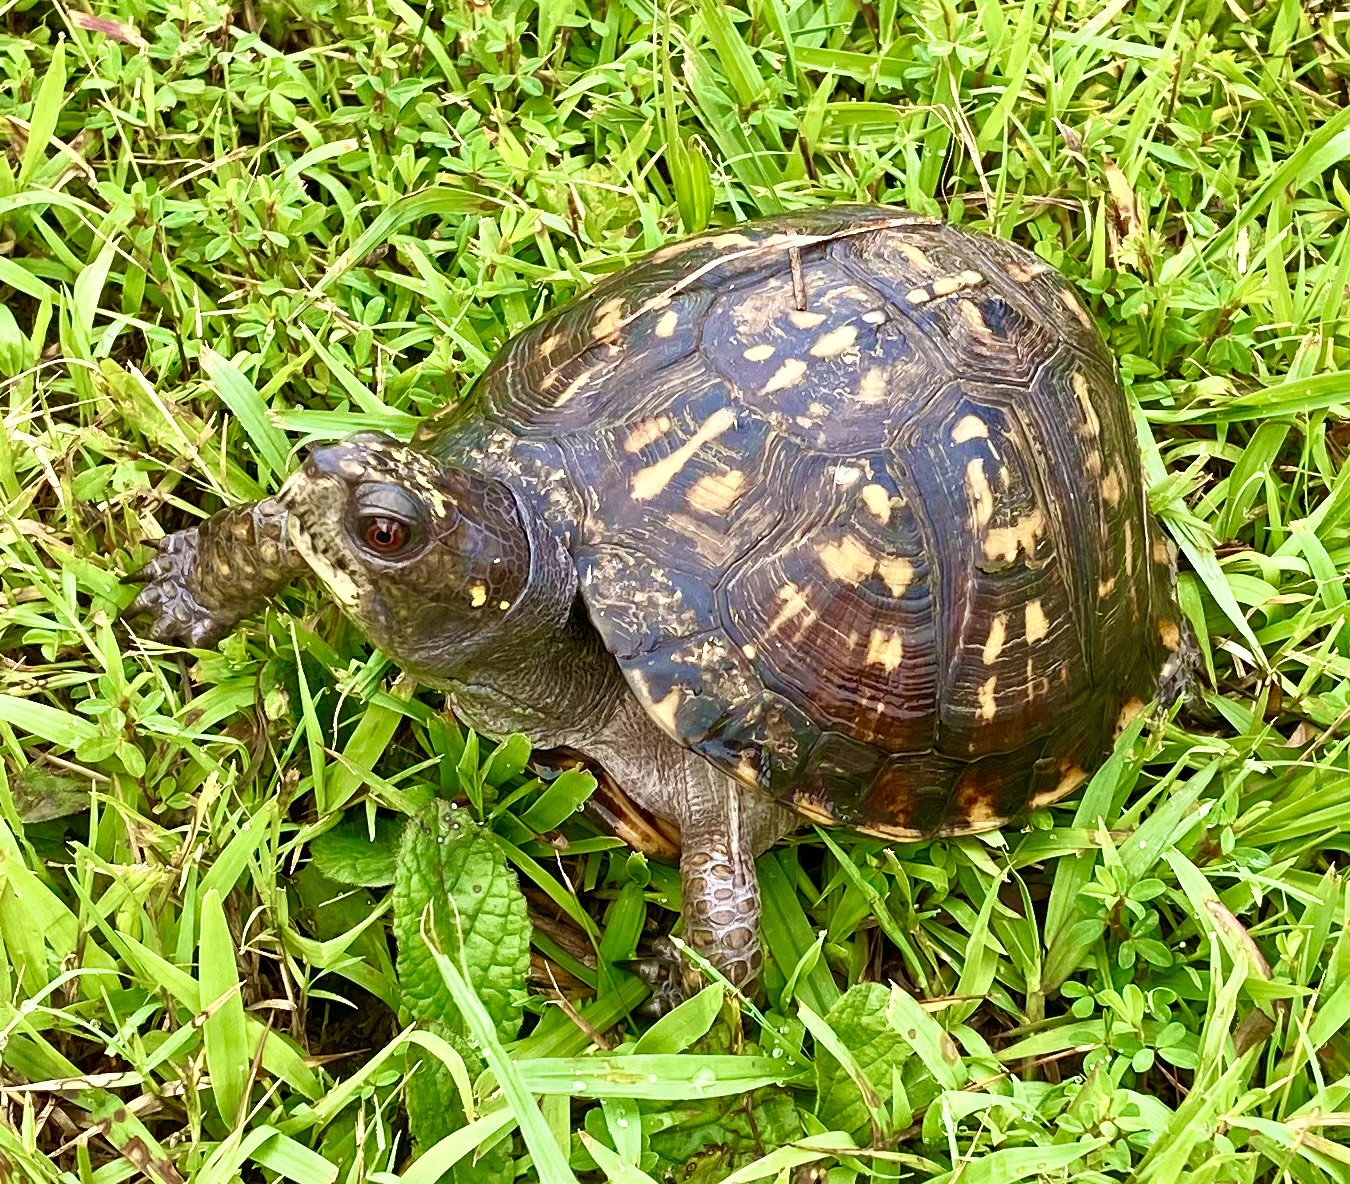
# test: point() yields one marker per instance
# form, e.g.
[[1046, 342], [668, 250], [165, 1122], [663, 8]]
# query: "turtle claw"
[[168, 597], [663, 969]]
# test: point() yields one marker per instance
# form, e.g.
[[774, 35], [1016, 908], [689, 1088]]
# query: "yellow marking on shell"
[[1129, 547], [1037, 625], [667, 324], [835, 342], [980, 494], [574, 387], [1129, 712], [814, 811], [901, 834], [645, 432], [478, 595], [975, 322], [988, 703], [1024, 273], [749, 651], [806, 320], [916, 257], [674, 250], [649, 482], [716, 493], [885, 648], [872, 387], [1070, 302], [896, 573], [969, 427], [1162, 553], [551, 343], [794, 605], [666, 710], [877, 501], [1005, 542], [998, 635], [504, 605], [1106, 587], [730, 239], [981, 813], [1169, 633], [1111, 488], [844, 475], [608, 318], [758, 353], [847, 560], [947, 285], [874, 316], [918, 296], [1092, 426], [746, 771], [1070, 779], [787, 375]]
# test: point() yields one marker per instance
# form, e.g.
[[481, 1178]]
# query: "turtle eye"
[[384, 536], [385, 520]]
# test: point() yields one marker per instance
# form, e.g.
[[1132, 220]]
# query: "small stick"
[[798, 283]]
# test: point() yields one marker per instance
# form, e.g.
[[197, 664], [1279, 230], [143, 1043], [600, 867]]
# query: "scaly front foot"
[[721, 926], [206, 579], [169, 597]]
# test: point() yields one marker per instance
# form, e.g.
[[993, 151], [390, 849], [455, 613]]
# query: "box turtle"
[[840, 511]]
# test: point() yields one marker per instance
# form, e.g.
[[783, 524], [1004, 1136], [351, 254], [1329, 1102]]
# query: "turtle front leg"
[[206, 579]]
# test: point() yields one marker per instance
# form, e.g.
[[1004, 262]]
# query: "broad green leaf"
[[706, 1142], [452, 879], [349, 853], [860, 1023]]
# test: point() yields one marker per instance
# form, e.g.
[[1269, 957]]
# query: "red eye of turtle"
[[385, 535]]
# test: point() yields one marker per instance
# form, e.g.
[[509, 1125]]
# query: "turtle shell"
[[856, 503]]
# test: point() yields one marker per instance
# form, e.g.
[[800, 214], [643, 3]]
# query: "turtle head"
[[434, 564]]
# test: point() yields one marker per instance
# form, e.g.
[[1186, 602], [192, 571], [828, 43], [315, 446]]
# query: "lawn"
[[228, 231]]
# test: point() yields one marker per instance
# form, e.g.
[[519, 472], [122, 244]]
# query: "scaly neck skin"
[[560, 690]]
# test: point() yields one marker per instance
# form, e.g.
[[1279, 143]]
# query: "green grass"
[[225, 231]]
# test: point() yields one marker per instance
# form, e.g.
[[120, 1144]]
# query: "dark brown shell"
[[856, 502]]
